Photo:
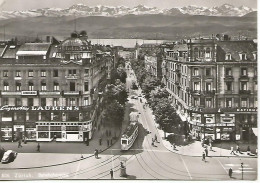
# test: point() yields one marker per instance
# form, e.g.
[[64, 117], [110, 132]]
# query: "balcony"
[[86, 76], [244, 92], [229, 92], [244, 78], [210, 92], [196, 76], [72, 76], [49, 92], [177, 83], [229, 77], [195, 92], [187, 89]]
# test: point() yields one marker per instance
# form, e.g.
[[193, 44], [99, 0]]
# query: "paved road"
[[144, 161]]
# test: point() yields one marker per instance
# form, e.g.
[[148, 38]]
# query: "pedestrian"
[[20, 143], [109, 133], [232, 150], [174, 146], [112, 174], [155, 138], [230, 171], [107, 142], [248, 150], [152, 140], [210, 145], [106, 133], [203, 156], [238, 149], [96, 153], [38, 147], [206, 151], [152, 143], [100, 141], [111, 141]]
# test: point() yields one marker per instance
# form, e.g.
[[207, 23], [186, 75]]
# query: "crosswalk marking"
[[236, 165], [239, 171], [245, 168]]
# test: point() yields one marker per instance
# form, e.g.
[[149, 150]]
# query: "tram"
[[131, 132]]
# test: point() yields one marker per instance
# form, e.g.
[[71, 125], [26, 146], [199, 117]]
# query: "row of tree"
[[115, 96]]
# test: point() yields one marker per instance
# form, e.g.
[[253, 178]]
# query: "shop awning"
[[255, 130]]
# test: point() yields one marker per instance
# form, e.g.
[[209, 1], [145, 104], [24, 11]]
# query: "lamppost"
[[242, 170]]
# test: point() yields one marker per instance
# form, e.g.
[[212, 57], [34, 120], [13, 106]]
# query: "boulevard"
[[144, 161]]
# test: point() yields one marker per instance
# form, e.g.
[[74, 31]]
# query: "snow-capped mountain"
[[100, 10]]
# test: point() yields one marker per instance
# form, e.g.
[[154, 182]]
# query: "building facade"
[[50, 91], [214, 87]]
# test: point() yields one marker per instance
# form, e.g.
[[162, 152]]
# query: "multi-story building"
[[50, 91], [214, 87]]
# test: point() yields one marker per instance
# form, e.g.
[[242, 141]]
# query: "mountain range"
[[81, 10]]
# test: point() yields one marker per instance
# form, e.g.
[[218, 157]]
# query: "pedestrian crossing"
[[238, 169]]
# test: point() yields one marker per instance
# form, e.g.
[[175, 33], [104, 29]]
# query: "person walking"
[[206, 151], [100, 141], [38, 147], [112, 174], [96, 153], [238, 149], [20, 143], [230, 171], [203, 156], [155, 138], [232, 150]]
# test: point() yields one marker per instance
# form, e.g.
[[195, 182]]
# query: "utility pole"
[[242, 170]]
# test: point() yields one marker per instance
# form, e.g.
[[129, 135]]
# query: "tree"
[[114, 114]]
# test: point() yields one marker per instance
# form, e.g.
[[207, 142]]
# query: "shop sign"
[[230, 124], [246, 109], [6, 129], [247, 126], [63, 128], [30, 129], [210, 125], [227, 118], [39, 108], [29, 92]]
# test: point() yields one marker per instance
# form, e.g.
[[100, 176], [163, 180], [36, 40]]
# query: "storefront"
[[63, 131], [195, 125]]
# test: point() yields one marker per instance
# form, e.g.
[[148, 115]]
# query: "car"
[[134, 97], [9, 156]]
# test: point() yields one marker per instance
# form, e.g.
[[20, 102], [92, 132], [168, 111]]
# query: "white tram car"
[[129, 136]]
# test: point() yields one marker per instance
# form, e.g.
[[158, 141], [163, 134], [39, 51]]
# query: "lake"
[[127, 43]]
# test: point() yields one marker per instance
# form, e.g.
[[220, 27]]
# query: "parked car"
[[2, 151], [9, 156], [134, 97]]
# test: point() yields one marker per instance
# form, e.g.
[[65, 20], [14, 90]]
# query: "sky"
[[15, 5]]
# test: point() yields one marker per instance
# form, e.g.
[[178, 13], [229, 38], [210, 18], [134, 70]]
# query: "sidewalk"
[[195, 148]]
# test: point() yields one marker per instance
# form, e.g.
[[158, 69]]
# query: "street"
[[144, 161]]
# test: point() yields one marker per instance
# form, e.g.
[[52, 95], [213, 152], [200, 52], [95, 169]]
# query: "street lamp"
[[242, 170]]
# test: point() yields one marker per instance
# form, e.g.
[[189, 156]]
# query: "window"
[[17, 73], [229, 86], [196, 86], [86, 102], [208, 86], [86, 87], [5, 101], [72, 102], [195, 72], [208, 102], [86, 72], [208, 71], [43, 86], [30, 73], [55, 73], [6, 86], [243, 71], [228, 102], [196, 52], [55, 102], [72, 71], [31, 86], [243, 102], [207, 55], [256, 86], [256, 104], [18, 101], [196, 102], [243, 85], [255, 56], [228, 56], [5, 73], [43, 101], [56, 86], [72, 86], [18, 86], [228, 71], [30, 101], [242, 56], [43, 73]]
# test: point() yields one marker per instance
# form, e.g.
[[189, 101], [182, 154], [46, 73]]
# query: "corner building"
[[50, 91], [214, 87]]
